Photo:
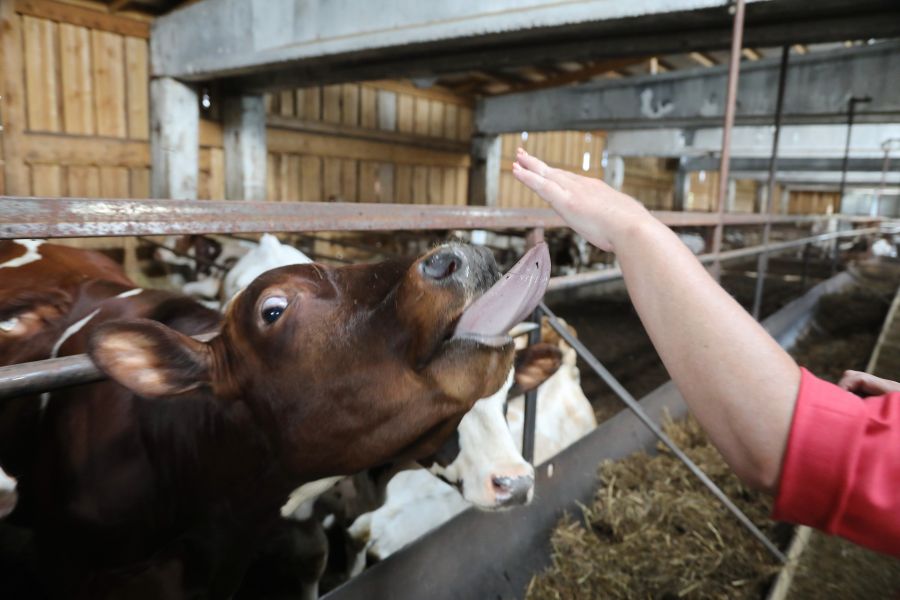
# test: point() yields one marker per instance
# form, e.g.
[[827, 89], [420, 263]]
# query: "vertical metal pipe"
[[762, 262], [529, 418], [734, 66], [851, 114]]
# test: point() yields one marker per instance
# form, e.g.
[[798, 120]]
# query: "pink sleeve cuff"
[[841, 468]]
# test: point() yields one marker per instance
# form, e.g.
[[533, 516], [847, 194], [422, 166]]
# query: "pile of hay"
[[654, 531]]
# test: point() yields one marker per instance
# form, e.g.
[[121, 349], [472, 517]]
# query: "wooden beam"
[[86, 17], [750, 54], [484, 181], [296, 142], [48, 148], [704, 59], [117, 5], [437, 92], [577, 76], [12, 91], [373, 135]]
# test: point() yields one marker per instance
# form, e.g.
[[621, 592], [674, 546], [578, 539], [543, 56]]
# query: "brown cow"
[[160, 483]]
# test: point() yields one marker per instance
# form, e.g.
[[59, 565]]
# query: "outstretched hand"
[[865, 383], [592, 208]]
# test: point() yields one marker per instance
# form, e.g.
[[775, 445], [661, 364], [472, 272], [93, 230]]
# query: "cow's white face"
[[489, 469]]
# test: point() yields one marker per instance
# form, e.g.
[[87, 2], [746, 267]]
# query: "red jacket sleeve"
[[841, 469]]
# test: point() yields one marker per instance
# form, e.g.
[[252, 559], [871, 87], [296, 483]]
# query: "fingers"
[[850, 380], [536, 165], [547, 189]]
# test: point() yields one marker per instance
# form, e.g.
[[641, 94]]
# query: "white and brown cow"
[[160, 482]]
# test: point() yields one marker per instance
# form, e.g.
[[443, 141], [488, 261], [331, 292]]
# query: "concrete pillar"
[[785, 201], [484, 182], [614, 172], [244, 129], [174, 139]]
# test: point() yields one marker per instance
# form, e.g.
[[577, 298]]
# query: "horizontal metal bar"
[[53, 373], [639, 412], [591, 277], [25, 217]]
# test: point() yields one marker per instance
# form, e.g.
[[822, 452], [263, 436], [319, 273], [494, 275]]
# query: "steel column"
[[639, 412], [763, 262], [731, 98]]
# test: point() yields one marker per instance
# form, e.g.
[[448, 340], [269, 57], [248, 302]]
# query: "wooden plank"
[[451, 121], [331, 103], [39, 38], [386, 176], [71, 150], [348, 131], [113, 182], [436, 186], [436, 119], [16, 175], [282, 140], [349, 190], [312, 177], [216, 174], [293, 177], [77, 83], [368, 107], [273, 192], [312, 103], [46, 180], [465, 124], [137, 78], [140, 183], [432, 93], [331, 179], [420, 185], [350, 104], [85, 17], [420, 116], [462, 187], [405, 113], [368, 180], [403, 184], [211, 133], [108, 54], [286, 104], [448, 189], [84, 182], [387, 111]]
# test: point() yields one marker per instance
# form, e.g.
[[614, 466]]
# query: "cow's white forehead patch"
[[31, 254]]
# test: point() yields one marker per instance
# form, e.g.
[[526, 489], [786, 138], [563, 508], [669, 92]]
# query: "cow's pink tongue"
[[509, 301]]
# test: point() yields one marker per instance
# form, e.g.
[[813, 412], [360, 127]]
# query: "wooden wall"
[[563, 149], [651, 180], [75, 101], [76, 121], [704, 193], [803, 202]]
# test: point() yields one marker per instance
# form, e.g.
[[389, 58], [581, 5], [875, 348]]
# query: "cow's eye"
[[272, 308]]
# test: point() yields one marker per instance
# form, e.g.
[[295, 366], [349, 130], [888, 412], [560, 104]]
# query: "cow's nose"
[[441, 264], [512, 491]]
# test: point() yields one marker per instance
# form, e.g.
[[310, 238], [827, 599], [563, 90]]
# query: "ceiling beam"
[[817, 89], [703, 59], [584, 74], [279, 44]]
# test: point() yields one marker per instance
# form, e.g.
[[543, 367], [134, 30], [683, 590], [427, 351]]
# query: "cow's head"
[[345, 368], [481, 459]]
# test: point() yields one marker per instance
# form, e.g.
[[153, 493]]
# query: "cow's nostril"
[[441, 265], [512, 490]]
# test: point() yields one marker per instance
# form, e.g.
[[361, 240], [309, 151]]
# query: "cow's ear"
[[535, 365], [149, 358]]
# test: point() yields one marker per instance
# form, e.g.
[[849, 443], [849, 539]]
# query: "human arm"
[[739, 383]]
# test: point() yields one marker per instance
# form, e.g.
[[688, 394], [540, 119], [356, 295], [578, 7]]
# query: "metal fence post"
[[762, 262], [734, 67]]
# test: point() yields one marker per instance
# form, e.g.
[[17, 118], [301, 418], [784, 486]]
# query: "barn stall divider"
[[79, 217]]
